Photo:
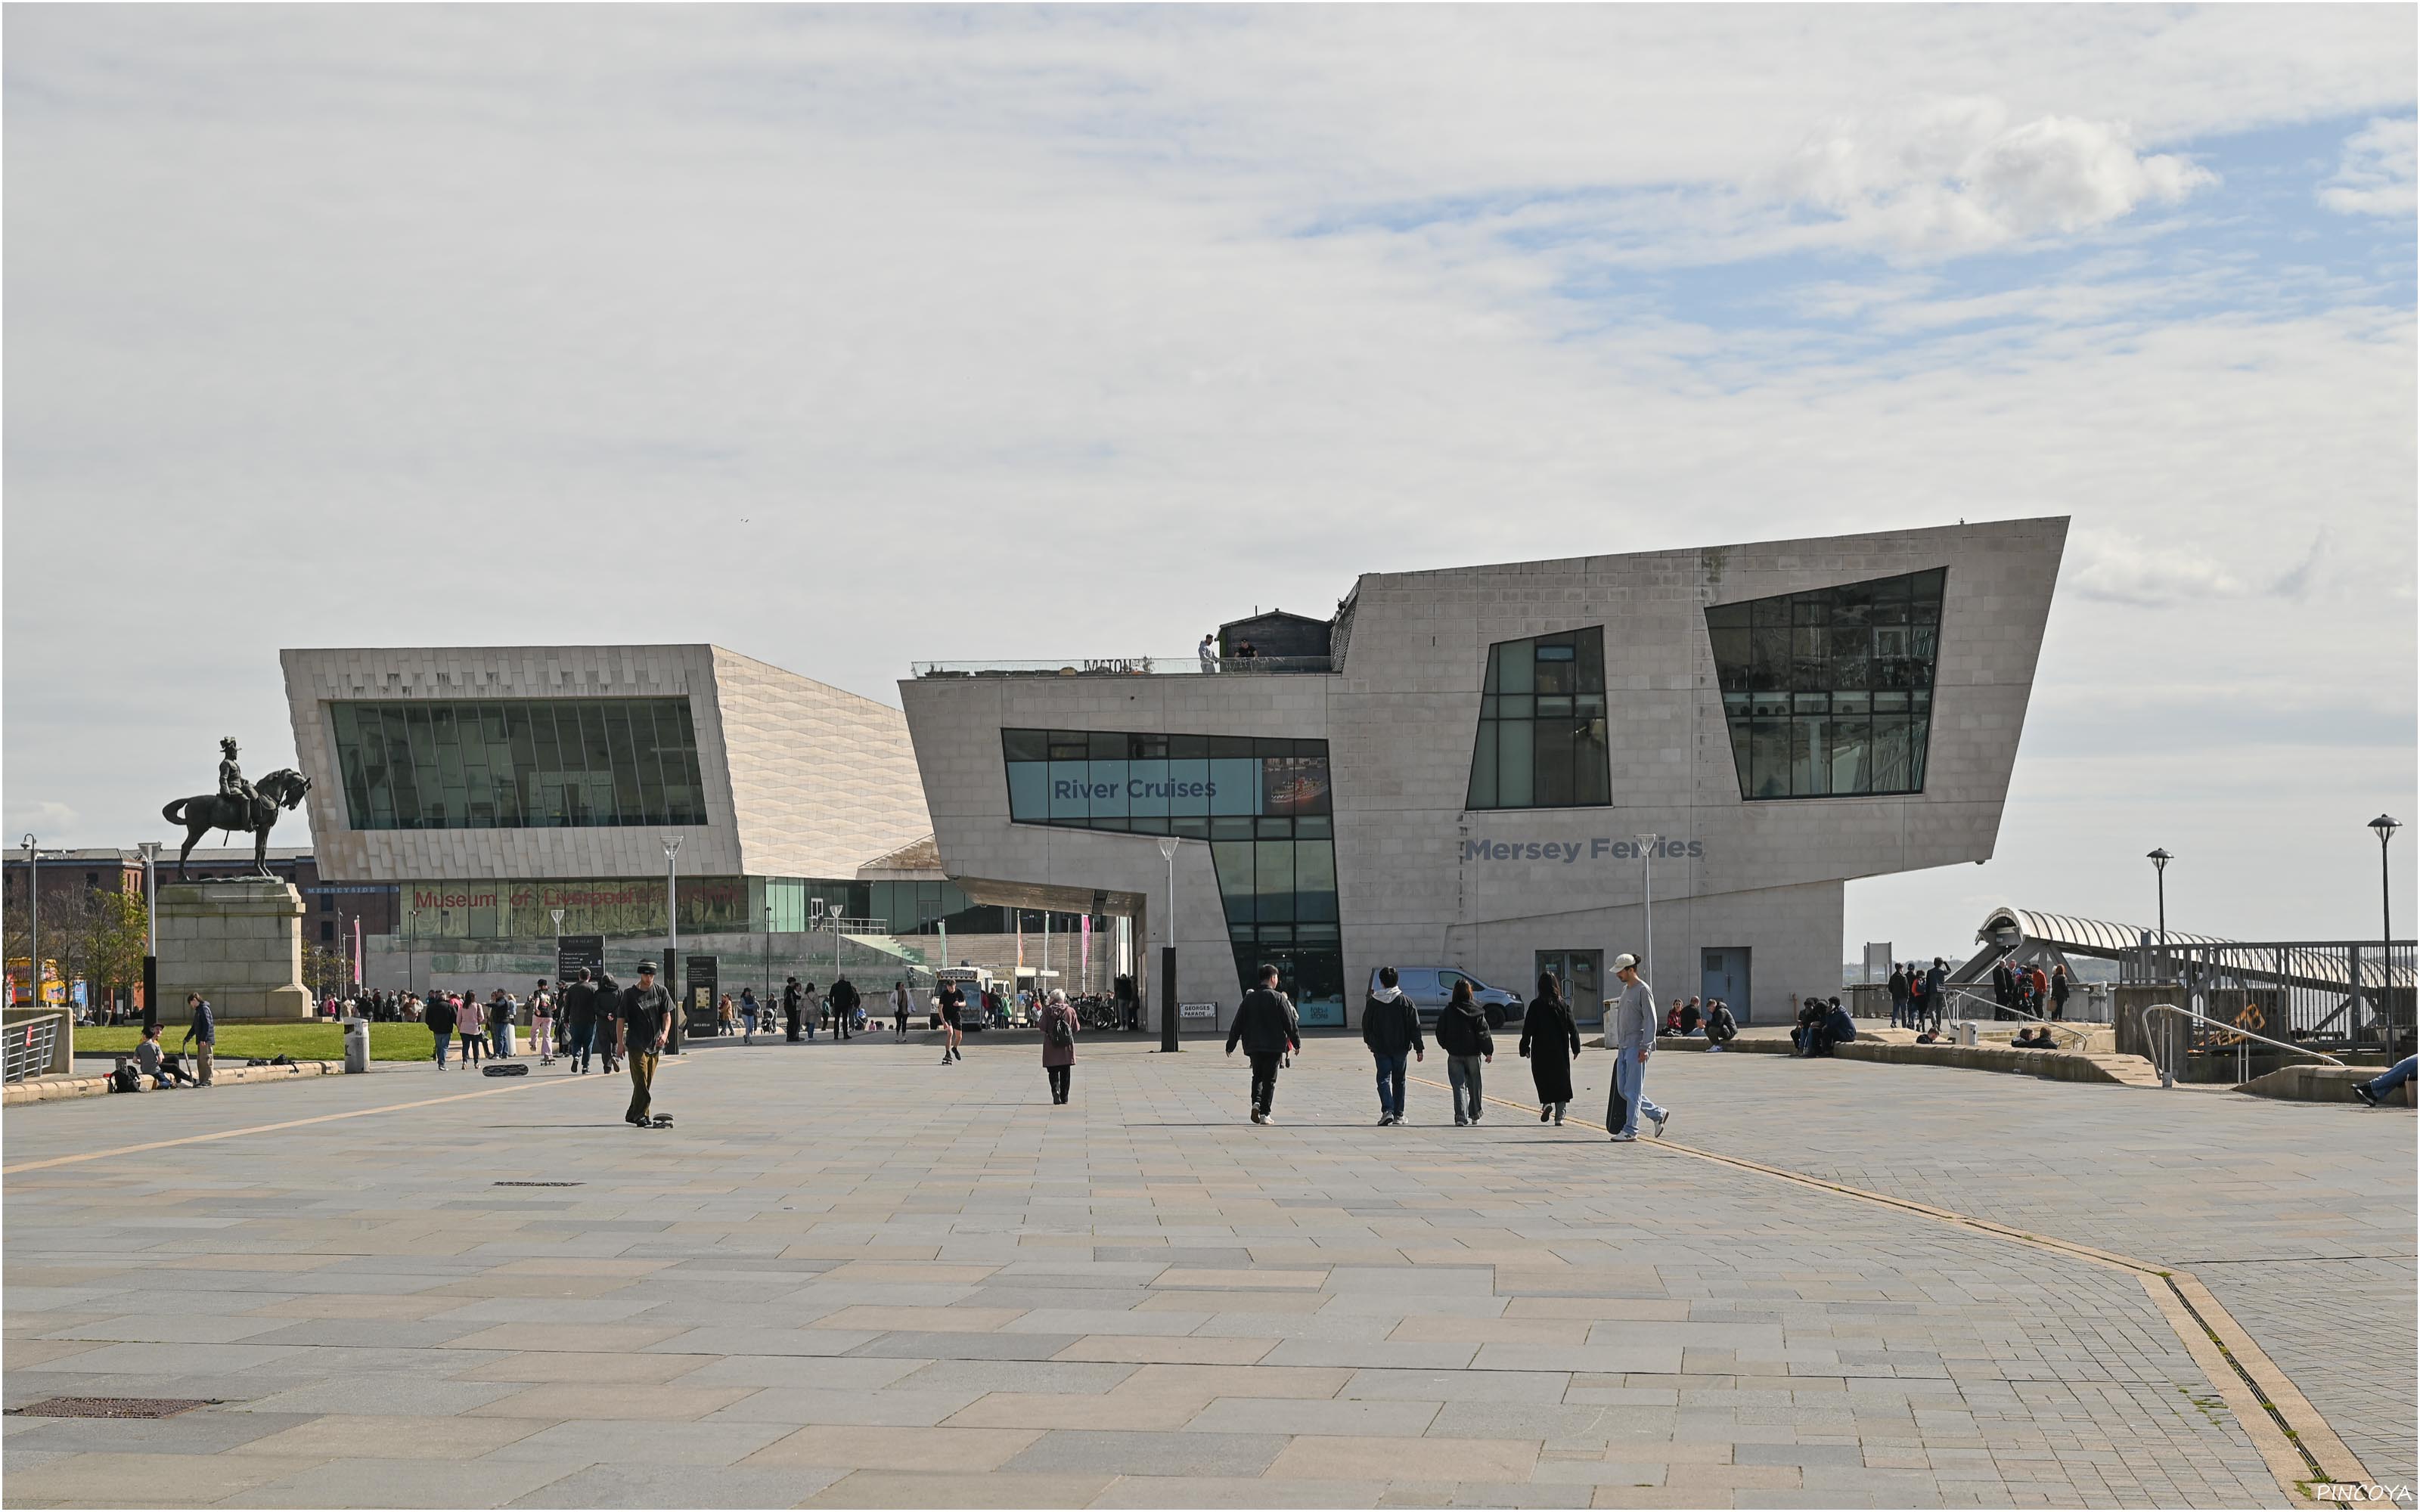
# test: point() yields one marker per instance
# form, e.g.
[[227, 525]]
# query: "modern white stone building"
[[1461, 781], [497, 784]]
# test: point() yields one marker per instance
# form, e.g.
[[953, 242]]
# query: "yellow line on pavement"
[[2283, 1425], [518, 1083]]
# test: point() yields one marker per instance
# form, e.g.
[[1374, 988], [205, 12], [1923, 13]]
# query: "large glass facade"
[[518, 763], [1263, 807], [1828, 693], [1541, 742]]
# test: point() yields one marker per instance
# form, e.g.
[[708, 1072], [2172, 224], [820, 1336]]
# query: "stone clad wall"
[[239, 944]]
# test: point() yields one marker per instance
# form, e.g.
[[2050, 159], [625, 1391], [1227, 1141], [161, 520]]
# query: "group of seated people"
[[1687, 1018], [2038, 1039], [1822, 1023], [162, 1066]]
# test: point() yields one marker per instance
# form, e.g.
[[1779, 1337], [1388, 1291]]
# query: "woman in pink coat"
[[1059, 1028]]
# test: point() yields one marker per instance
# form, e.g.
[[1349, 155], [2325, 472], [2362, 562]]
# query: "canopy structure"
[[2025, 935]]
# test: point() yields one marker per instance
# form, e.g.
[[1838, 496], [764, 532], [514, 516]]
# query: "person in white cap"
[[1633, 1041]]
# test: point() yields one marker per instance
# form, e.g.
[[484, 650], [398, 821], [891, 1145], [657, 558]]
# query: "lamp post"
[[816, 921], [33, 916], [768, 951], [1647, 859], [151, 848], [411, 946], [1168, 844], [2386, 826], [2160, 860], [671, 933]]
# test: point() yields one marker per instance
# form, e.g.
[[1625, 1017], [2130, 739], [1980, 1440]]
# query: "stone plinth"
[[238, 943]]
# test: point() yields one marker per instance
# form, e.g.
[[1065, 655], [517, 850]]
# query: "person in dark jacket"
[[1898, 996], [440, 1019], [1390, 1027], [1721, 1027], [792, 997], [2060, 987], [608, 1013], [1936, 995], [1550, 1042], [1267, 1027], [1838, 1028], [580, 1020], [1462, 1034], [844, 1002]]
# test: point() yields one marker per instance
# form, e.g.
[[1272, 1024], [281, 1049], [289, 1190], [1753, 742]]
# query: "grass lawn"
[[303, 1042]]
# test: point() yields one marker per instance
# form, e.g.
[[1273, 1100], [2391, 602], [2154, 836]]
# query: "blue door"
[[1723, 973]]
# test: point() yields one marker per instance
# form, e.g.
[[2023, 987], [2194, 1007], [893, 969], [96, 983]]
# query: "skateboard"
[[663, 1120], [509, 1069]]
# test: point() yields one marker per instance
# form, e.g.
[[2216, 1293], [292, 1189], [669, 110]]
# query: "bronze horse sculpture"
[[205, 811]]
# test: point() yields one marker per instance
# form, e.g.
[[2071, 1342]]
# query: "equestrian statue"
[[238, 805]]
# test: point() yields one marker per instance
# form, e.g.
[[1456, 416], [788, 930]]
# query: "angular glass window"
[[514, 763], [1828, 693], [1541, 734]]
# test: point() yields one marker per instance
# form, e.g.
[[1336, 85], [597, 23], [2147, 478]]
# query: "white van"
[[1429, 987]]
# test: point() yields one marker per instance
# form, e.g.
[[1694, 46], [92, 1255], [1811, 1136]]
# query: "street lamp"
[[2385, 825], [151, 848], [2160, 860], [1647, 858], [671, 933], [34, 915], [768, 951], [816, 922], [1168, 844]]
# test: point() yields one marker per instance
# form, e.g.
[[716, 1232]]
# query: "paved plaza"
[[852, 1276]]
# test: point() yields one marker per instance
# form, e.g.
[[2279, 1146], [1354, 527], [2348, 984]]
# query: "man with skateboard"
[[647, 1019]]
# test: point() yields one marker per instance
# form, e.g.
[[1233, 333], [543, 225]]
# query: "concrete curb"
[[57, 1089], [2320, 1084], [2048, 1065]]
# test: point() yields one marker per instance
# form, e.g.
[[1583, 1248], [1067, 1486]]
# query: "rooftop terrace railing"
[[1186, 665]]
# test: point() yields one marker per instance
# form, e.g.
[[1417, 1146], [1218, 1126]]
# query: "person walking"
[[440, 1019], [470, 1022], [1898, 996], [1550, 1042], [1634, 1035], [1936, 996], [954, 1005], [541, 1007], [1390, 1027], [1059, 1026], [900, 1005], [1267, 1027], [1462, 1034], [2060, 988], [646, 1021], [811, 1007], [748, 1012], [844, 1002], [793, 995], [499, 1025], [579, 1021]]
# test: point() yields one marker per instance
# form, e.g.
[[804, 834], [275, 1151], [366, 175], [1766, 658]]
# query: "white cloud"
[[2375, 174], [1953, 176], [42, 820], [2119, 567]]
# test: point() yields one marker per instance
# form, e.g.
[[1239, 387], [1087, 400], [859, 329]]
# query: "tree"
[[115, 932]]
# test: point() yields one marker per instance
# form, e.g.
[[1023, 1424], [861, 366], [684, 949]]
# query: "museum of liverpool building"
[[476, 805], [1499, 770]]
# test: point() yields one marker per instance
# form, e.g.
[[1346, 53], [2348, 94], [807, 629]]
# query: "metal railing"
[[2232, 1032], [2351, 994], [31, 1044], [2078, 1037], [1186, 665]]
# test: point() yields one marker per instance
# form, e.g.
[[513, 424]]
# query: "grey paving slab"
[[1440, 1318]]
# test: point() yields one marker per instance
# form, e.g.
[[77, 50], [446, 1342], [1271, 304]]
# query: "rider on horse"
[[232, 786]]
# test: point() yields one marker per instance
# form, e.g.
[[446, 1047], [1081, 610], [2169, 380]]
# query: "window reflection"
[[1829, 693], [518, 763], [1541, 725]]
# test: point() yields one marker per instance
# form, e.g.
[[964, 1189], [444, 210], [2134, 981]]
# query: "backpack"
[[125, 1080], [1061, 1037]]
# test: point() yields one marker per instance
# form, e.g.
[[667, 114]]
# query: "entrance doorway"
[[1723, 973], [1582, 974]]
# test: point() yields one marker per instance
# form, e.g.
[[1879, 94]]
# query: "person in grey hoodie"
[[1390, 1027], [1633, 1041]]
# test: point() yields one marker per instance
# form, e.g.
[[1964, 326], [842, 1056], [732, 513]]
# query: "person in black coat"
[[1550, 1041], [793, 998], [844, 1002], [440, 1019], [1267, 1027], [1390, 1027]]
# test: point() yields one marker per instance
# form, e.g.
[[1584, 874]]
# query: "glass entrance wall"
[[1262, 805], [1828, 693]]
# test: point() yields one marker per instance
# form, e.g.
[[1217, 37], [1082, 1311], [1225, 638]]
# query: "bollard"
[[357, 1046]]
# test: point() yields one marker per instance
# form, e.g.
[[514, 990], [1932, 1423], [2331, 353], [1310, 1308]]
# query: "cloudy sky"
[[849, 337]]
